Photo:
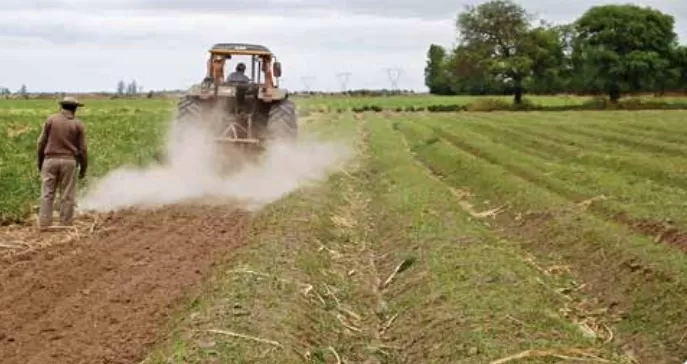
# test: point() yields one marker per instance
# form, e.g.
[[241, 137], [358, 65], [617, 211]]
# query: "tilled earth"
[[105, 297]]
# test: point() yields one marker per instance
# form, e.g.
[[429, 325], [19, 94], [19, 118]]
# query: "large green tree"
[[545, 50], [436, 78], [624, 48], [468, 74], [679, 65], [501, 37]]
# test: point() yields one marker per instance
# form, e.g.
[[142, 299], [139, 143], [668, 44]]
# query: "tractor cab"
[[242, 110], [261, 68]]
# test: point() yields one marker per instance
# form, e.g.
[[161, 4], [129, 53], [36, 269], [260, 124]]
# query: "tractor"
[[245, 114]]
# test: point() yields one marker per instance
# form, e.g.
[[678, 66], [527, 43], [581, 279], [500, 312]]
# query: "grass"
[[433, 103], [627, 271], [331, 103], [547, 149], [451, 238]]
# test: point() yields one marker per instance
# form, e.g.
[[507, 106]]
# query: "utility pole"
[[343, 80], [307, 82], [394, 74]]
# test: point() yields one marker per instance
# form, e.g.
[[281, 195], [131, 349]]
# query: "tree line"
[[131, 88], [5, 92], [608, 50]]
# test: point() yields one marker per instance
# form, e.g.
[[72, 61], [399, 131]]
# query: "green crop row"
[[458, 104]]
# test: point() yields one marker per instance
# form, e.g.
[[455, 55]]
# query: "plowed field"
[[105, 298]]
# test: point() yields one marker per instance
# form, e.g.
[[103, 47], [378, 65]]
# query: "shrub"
[[526, 104], [446, 108], [488, 104], [632, 103]]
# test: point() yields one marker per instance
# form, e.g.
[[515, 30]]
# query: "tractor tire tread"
[[282, 120]]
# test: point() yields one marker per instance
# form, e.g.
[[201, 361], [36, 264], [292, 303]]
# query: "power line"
[[394, 74], [307, 82], [343, 77]]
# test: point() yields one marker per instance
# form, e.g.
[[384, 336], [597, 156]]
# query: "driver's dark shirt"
[[238, 77]]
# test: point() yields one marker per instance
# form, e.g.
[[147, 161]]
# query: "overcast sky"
[[89, 45]]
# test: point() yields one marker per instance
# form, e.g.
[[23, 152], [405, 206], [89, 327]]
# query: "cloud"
[[428, 9], [164, 51], [432, 9], [92, 44]]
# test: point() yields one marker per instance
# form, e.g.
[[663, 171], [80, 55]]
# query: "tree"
[[469, 75], [132, 88], [499, 35], [121, 87], [679, 65], [624, 47], [548, 69], [435, 71]]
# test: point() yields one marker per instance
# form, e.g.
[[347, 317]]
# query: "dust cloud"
[[190, 173]]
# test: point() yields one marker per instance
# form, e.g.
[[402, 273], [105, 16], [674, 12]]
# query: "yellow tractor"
[[247, 109]]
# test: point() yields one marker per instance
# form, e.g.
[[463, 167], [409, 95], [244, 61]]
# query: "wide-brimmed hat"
[[69, 100]]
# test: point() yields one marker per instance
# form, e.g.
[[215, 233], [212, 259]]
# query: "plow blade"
[[237, 153], [239, 141], [241, 144]]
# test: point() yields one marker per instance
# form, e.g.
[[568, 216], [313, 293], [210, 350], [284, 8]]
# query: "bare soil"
[[661, 231], [105, 298]]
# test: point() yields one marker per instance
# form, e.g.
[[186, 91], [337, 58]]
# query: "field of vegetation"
[[471, 237], [434, 103]]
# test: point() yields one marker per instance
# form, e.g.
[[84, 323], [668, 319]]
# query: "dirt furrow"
[[103, 299]]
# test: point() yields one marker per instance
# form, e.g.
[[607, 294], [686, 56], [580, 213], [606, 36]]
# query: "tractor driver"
[[239, 74]]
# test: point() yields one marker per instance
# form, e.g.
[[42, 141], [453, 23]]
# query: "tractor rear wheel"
[[282, 121], [188, 110]]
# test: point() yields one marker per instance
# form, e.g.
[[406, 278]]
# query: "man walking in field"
[[61, 146]]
